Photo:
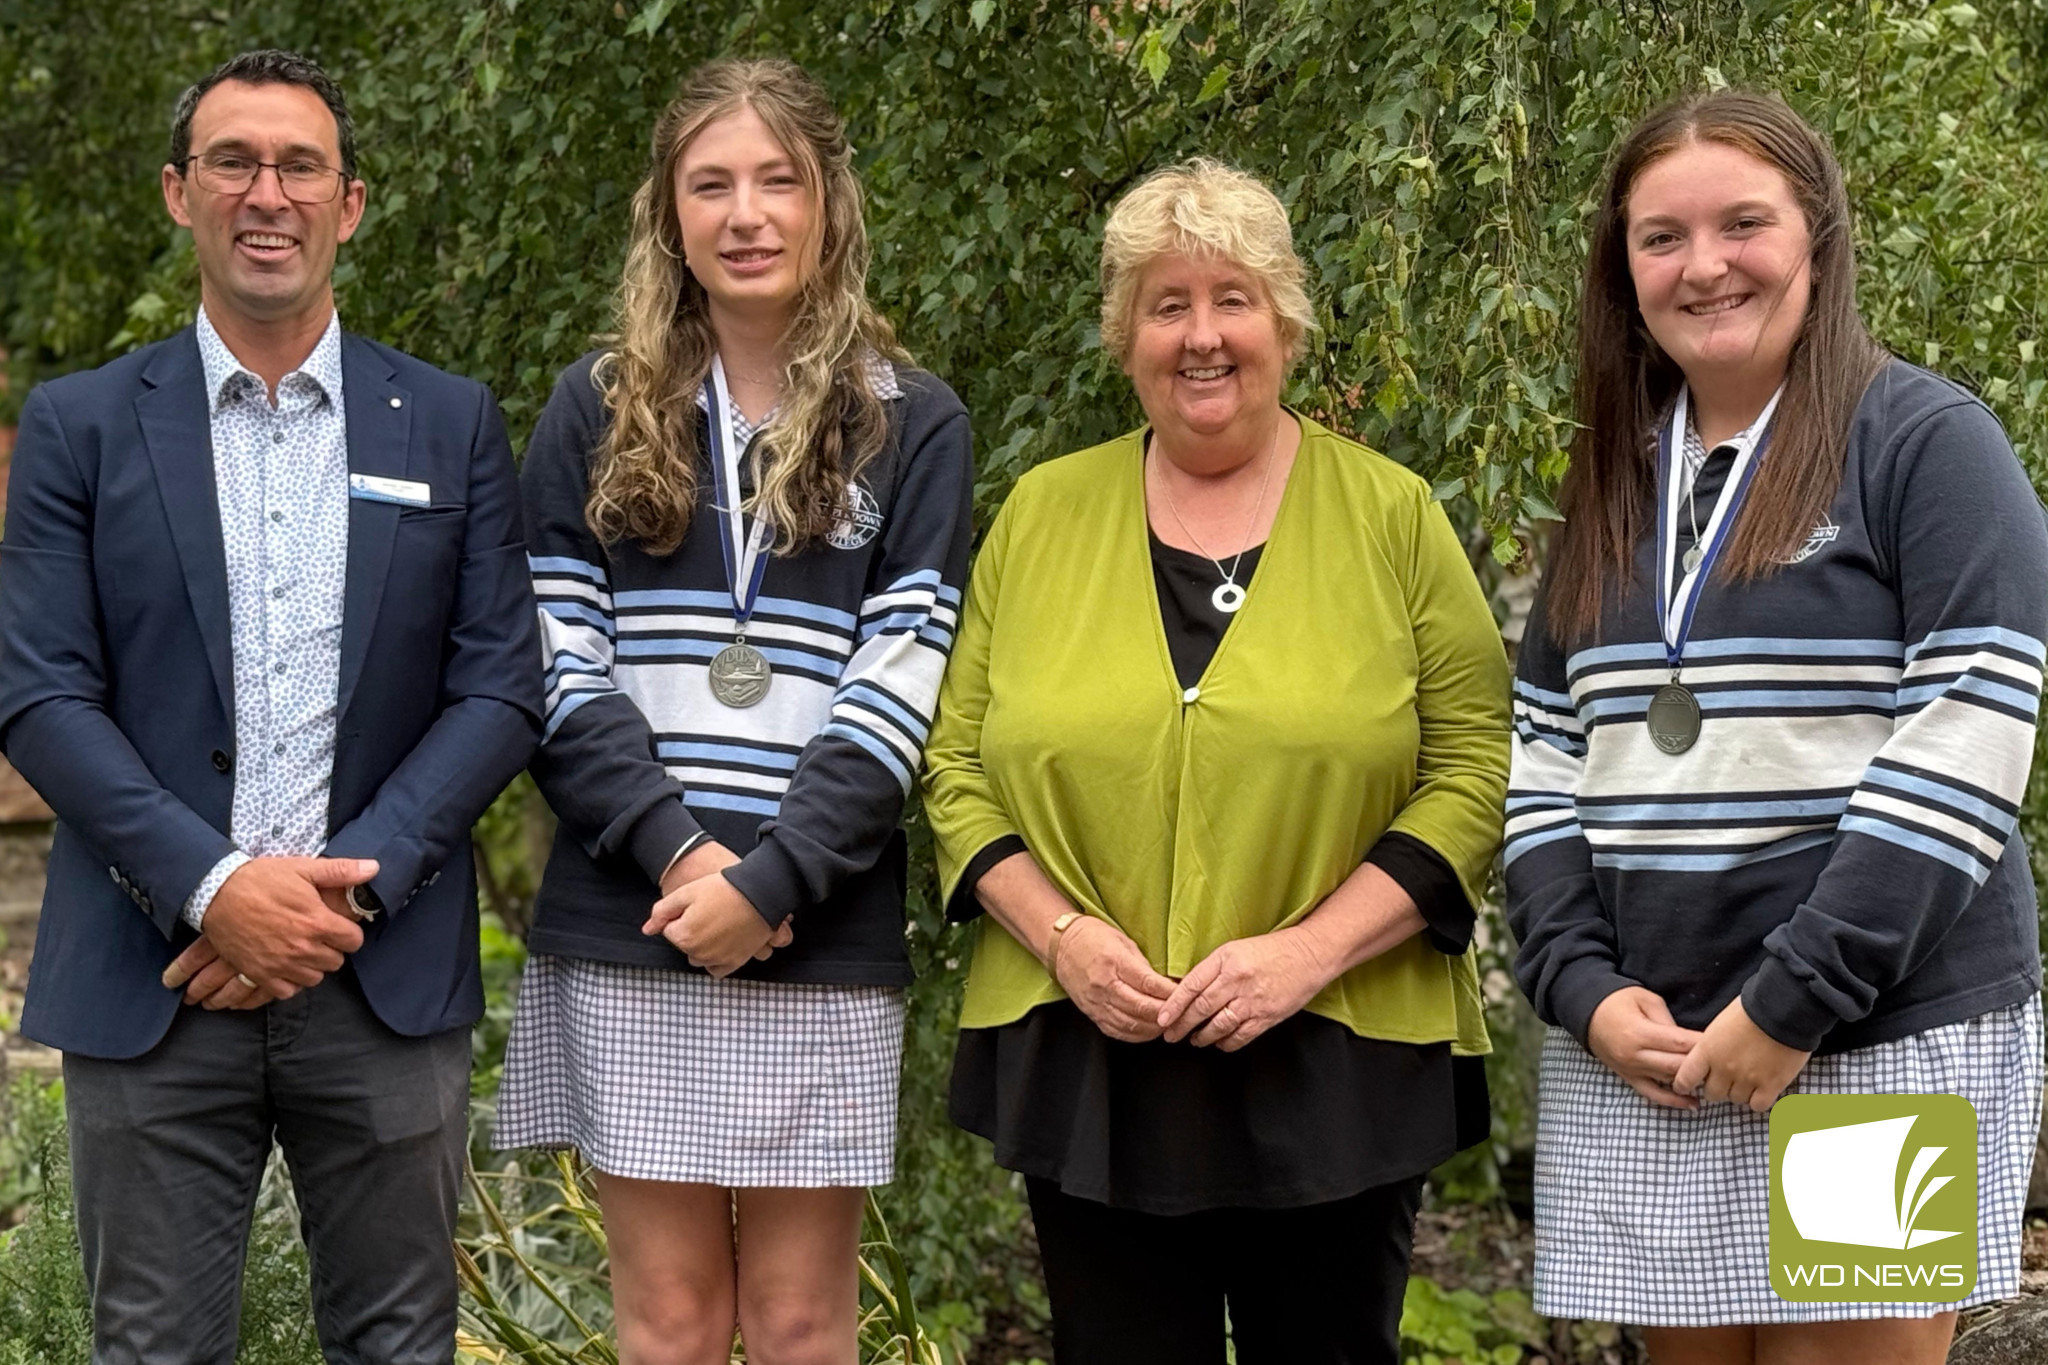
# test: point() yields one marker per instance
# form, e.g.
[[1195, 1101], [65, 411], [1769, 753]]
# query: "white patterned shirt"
[[1695, 449], [281, 475]]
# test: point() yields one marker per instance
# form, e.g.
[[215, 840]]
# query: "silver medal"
[[739, 675], [1227, 598], [1674, 718], [1673, 715]]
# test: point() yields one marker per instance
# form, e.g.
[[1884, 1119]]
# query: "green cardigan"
[[1362, 687]]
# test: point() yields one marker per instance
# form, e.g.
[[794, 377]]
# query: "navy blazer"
[[117, 680]]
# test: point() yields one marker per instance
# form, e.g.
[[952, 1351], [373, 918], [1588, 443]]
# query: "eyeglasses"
[[304, 182]]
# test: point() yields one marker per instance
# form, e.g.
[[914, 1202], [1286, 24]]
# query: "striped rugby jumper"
[[1838, 848], [808, 786]]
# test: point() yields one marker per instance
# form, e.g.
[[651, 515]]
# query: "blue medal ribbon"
[[1679, 597], [744, 546]]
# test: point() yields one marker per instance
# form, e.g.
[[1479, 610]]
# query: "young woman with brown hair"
[[1774, 717], [748, 521]]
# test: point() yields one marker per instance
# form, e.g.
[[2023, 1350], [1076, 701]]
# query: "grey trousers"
[[167, 1151]]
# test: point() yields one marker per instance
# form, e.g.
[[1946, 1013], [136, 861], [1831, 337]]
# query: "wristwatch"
[[365, 902]]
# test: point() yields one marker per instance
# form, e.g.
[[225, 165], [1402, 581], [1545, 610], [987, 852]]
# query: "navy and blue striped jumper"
[[808, 787], [1839, 847]]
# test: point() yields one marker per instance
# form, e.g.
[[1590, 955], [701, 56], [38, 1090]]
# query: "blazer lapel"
[[379, 416], [175, 413]]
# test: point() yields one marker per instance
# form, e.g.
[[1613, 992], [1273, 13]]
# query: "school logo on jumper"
[[1873, 1198], [860, 519], [1822, 536]]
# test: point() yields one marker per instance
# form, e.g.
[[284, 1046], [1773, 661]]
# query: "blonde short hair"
[[1202, 208]]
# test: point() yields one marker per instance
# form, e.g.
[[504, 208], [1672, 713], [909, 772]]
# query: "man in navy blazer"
[[268, 648]]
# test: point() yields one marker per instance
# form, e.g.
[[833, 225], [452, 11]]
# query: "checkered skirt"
[[665, 1075], [1661, 1217]]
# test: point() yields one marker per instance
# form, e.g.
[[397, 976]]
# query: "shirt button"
[[277, 831], [277, 436], [277, 516], [278, 667], [1192, 694], [278, 747], [277, 591]]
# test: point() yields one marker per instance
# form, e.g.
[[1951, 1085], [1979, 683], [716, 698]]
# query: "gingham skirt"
[[663, 1075], [1661, 1217]]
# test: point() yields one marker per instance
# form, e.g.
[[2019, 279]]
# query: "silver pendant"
[[1674, 718], [1693, 557], [1227, 598], [739, 675]]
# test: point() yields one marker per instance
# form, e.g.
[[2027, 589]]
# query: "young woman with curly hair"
[[748, 519]]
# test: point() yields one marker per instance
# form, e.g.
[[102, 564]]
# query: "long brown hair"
[[1626, 382], [829, 422]]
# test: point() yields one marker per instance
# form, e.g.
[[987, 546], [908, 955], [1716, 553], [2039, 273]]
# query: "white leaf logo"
[[1838, 1185]]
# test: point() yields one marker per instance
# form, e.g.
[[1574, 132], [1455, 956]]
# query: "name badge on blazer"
[[374, 488]]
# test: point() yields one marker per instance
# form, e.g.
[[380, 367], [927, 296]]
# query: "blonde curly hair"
[[1202, 208], [829, 423]]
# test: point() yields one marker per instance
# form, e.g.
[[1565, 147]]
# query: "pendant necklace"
[[739, 673], [1228, 596], [1698, 548], [1673, 716]]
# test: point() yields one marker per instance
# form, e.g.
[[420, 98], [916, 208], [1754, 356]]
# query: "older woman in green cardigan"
[[1221, 752]]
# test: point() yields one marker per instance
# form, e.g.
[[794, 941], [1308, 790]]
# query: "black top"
[[1307, 1114]]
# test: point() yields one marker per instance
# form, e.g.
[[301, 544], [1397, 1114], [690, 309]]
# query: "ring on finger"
[[245, 981]]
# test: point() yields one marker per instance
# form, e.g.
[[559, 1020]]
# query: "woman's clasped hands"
[[1244, 988], [1231, 997], [707, 919], [1732, 1059]]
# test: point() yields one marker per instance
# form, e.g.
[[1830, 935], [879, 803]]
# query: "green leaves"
[[1154, 60], [650, 18]]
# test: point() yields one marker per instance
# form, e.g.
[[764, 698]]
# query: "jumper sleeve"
[[1461, 704], [1937, 805], [597, 764], [965, 813], [846, 796], [1566, 959]]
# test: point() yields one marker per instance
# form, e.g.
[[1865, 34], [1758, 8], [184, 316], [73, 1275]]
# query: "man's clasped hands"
[[275, 927]]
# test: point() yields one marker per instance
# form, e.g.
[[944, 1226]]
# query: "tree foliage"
[[1439, 158]]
